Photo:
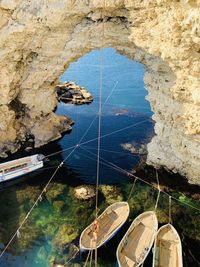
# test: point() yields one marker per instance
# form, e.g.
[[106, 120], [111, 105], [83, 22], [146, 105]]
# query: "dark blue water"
[[54, 226], [124, 109]]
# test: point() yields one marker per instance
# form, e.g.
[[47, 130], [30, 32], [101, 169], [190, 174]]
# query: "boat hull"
[[170, 256], [130, 252], [103, 243], [111, 232], [12, 170]]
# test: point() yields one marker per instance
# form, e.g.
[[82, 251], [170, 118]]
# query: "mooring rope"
[[96, 138], [170, 212], [129, 174], [91, 258], [17, 233], [158, 196], [117, 152], [131, 191], [51, 178], [87, 258], [99, 122], [72, 257]]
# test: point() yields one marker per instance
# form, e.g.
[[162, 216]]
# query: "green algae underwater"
[[51, 234]]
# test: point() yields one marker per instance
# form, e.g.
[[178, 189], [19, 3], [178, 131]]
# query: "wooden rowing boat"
[[167, 250], [15, 168], [138, 240], [109, 223]]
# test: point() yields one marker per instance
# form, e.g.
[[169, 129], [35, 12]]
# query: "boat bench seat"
[[127, 261], [88, 231], [128, 255], [137, 246], [107, 224], [112, 214], [168, 244]]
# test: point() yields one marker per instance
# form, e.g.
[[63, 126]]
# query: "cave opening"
[[126, 114], [123, 76]]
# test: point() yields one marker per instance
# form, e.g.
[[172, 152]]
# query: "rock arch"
[[39, 40]]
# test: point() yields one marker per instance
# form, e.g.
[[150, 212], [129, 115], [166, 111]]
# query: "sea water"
[[51, 233], [125, 116]]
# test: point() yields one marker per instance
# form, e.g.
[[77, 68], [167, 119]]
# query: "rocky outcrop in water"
[[142, 150], [39, 39], [84, 192], [71, 93]]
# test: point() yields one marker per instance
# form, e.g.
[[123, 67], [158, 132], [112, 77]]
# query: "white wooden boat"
[[138, 240], [15, 168], [167, 250], [110, 221]]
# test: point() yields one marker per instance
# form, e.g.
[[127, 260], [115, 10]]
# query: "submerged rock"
[[58, 205], [84, 192], [54, 191], [65, 257], [142, 150], [71, 93], [27, 194], [122, 112], [111, 193], [65, 235], [42, 253]]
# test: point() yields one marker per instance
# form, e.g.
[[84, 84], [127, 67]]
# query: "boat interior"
[[138, 241], [168, 249], [109, 221], [15, 165]]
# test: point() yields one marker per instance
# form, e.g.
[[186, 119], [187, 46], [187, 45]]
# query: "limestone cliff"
[[39, 39]]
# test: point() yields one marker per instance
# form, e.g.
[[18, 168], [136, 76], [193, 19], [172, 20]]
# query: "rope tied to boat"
[[157, 200], [158, 196], [90, 252], [99, 121], [170, 211], [129, 174], [72, 257], [91, 255], [131, 191]]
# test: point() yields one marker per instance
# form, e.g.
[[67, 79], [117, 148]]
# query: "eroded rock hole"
[[125, 109]]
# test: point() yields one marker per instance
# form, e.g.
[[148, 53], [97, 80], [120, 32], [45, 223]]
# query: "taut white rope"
[[119, 169]]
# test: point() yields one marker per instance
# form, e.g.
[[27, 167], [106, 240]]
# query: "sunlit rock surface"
[[39, 39], [71, 93], [84, 192]]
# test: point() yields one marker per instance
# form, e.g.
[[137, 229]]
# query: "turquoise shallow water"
[[53, 229]]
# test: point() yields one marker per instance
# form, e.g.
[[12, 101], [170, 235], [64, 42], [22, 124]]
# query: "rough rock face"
[[84, 192], [71, 93], [39, 39]]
